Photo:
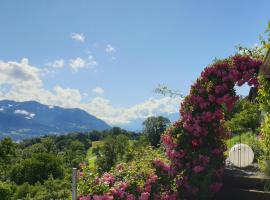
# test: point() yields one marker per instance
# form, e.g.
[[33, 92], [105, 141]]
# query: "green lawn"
[[90, 156]]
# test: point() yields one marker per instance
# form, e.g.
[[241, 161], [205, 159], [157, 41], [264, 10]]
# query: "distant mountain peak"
[[26, 119]]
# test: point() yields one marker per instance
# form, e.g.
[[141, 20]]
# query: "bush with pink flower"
[[195, 144], [138, 179]]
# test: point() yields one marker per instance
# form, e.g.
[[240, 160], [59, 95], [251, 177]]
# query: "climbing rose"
[[85, 197], [102, 197], [197, 169], [215, 187], [107, 178], [144, 196]]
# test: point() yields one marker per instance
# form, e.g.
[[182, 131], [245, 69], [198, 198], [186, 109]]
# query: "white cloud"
[[77, 63], [110, 49], [98, 90], [19, 73], [80, 63], [103, 109], [27, 114], [91, 61], [57, 63], [2, 109], [85, 94], [24, 84], [78, 37]]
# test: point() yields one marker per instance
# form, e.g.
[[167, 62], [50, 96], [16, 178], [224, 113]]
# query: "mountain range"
[[20, 120]]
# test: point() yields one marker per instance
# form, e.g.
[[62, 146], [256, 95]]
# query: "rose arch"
[[195, 144]]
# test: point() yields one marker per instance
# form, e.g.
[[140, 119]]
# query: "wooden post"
[[74, 183]]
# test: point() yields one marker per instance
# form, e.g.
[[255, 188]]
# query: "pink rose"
[[215, 187], [144, 196], [85, 197], [197, 169]]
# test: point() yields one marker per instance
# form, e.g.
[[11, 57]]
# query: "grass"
[[90, 156], [248, 138]]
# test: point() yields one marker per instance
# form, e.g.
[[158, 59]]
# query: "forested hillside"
[[40, 168]]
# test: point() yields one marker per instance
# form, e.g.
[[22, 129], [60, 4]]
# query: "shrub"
[[127, 180], [264, 99], [51, 189], [6, 190], [37, 168]]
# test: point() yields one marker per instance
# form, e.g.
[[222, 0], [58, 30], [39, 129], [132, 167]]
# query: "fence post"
[[74, 183]]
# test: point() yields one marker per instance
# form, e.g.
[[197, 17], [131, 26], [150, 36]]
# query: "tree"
[[112, 151], [37, 168], [51, 189], [75, 153], [247, 117], [7, 151], [49, 144], [154, 127], [7, 154]]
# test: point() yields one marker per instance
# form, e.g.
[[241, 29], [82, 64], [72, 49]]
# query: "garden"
[[190, 161]]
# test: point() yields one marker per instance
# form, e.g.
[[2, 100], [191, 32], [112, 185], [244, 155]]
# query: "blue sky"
[[107, 57]]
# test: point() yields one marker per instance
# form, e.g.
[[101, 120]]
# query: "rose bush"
[[138, 179], [195, 144]]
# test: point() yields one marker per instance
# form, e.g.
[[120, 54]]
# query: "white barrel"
[[241, 155]]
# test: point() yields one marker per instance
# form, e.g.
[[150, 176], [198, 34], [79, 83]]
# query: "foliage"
[[247, 118], [135, 179], [74, 153], [264, 100], [112, 151], [265, 145], [7, 154], [51, 189], [154, 127], [6, 190], [265, 41], [264, 95], [37, 169], [7, 150], [40, 168], [92, 152]]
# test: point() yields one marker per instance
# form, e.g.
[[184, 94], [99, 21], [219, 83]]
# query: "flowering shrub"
[[137, 179], [194, 145], [264, 100]]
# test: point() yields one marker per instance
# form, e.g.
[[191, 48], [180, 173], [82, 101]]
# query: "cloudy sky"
[[107, 57]]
